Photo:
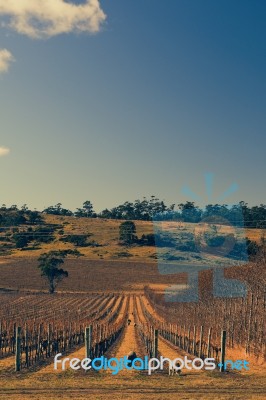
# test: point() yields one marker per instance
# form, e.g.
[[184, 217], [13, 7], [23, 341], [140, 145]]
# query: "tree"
[[190, 212], [77, 240], [86, 210], [34, 218], [21, 240], [127, 231], [49, 265], [57, 210]]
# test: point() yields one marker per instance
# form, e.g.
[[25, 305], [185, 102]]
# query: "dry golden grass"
[[80, 385], [106, 233]]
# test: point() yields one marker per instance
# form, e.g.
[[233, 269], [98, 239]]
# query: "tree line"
[[240, 214]]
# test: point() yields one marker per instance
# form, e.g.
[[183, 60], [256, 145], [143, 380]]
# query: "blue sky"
[[145, 100]]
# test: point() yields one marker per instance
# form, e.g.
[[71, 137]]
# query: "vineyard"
[[45, 326], [34, 328]]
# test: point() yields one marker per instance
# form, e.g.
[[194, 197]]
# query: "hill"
[[104, 264], [102, 237]]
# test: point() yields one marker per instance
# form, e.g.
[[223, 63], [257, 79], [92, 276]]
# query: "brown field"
[[85, 275], [100, 270]]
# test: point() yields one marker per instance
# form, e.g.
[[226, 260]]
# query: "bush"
[[77, 240], [147, 240], [123, 254]]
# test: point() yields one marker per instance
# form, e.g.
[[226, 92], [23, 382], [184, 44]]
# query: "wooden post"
[[194, 341], [200, 343], [69, 335], [232, 334], [223, 341], [38, 346], [49, 341], [188, 340], [88, 341], [249, 325], [26, 345], [18, 349], [184, 336], [64, 338], [155, 347], [80, 333], [209, 343], [100, 333], [179, 338], [14, 334]]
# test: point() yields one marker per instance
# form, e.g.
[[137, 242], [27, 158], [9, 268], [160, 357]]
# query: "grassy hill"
[[105, 265], [103, 238]]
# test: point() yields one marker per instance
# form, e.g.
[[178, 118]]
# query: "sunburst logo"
[[194, 239], [209, 185]]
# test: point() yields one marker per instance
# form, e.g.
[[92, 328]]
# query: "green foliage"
[[139, 210], [86, 211], [49, 264], [147, 240], [172, 257], [165, 240], [57, 210], [252, 247], [77, 240], [216, 241], [34, 217], [5, 238], [42, 234], [147, 210], [189, 212], [12, 216], [21, 240], [127, 233], [123, 254], [74, 252], [245, 249]]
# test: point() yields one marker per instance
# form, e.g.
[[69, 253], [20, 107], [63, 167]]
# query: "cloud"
[[4, 151], [5, 59], [46, 18]]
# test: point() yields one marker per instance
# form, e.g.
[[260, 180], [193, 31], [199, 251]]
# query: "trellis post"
[[18, 349], [223, 341], [88, 341]]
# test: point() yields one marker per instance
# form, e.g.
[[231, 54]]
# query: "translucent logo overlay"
[[197, 239]]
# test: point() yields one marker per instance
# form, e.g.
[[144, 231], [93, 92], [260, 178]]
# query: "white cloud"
[[46, 18], [4, 151], [5, 59]]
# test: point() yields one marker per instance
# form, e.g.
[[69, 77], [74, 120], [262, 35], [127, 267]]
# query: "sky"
[[111, 101]]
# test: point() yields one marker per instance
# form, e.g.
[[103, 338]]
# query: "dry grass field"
[[106, 233], [102, 270]]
